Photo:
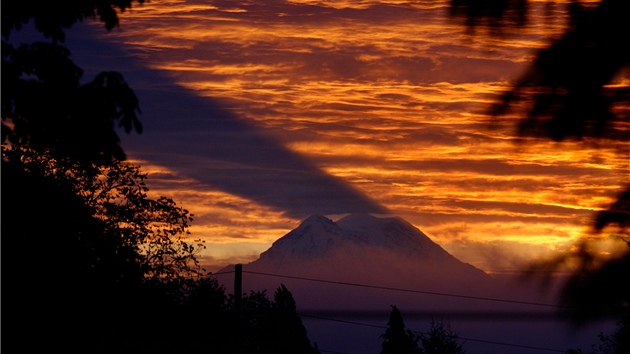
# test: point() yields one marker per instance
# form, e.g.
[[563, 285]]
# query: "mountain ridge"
[[365, 248], [356, 268], [317, 235]]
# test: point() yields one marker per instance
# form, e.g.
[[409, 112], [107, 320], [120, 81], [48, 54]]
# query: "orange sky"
[[383, 98]]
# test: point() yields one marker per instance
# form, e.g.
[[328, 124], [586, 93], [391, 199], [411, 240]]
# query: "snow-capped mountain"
[[320, 237], [351, 271], [363, 248]]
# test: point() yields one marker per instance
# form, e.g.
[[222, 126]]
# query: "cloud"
[[270, 111], [201, 140]]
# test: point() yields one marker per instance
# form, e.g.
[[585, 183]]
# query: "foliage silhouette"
[[573, 91], [289, 333], [44, 104], [397, 339], [607, 345], [148, 232], [52, 18], [106, 268], [496, 15], [49, 108], [567, 92], [104, 264], [98, 250], [266, 326], [112, 263], [441, 339]]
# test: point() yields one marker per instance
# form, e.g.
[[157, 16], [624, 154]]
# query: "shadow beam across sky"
[[198, 138]]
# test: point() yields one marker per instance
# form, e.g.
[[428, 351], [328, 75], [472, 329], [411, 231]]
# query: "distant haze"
[[355, 268]]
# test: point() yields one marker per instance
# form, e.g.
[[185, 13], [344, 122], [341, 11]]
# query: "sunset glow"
[[389, 97]]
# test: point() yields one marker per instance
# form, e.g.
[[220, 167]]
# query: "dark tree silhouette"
[[566, 93], [495, 15], [52, 18], [147, 232], [197, 323], [290, 334], [100, 266], [96, 250], [397, 339], [570, 92], [96, 265], [441, 339], [599, 288], [269, 326], [48, 108], [607, 345], [44, 104]]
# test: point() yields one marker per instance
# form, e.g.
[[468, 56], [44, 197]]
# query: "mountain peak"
[[369, 222], [364, 247], [318, 237], [390, 232], [316, 219]]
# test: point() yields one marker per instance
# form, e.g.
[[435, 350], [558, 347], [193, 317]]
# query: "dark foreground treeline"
[[93, 264]]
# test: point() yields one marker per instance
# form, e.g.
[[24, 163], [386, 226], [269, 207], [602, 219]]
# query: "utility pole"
[[238, 288]]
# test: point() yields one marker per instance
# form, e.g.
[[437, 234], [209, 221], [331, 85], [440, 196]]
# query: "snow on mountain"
[[364, 248], [319, 236], [355, 268]]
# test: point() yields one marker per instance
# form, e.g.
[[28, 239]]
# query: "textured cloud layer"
[[260, 113]]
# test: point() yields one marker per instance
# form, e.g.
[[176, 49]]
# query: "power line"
[[341, 321], [301, 314], [420, 332], [513, 345], [407, 290], [449, 314]]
